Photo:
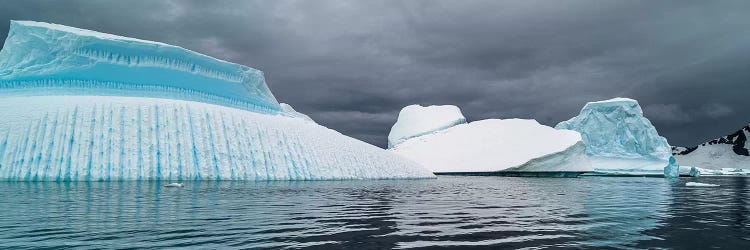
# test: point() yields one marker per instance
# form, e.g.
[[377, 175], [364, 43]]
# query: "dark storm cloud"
[[351, 65]]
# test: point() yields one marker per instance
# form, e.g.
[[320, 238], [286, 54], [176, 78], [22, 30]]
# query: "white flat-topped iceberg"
[[620, 140], [80, 105], [489, 145]]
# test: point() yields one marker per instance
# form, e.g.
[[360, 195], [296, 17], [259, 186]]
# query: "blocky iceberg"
[[488, 145], [619, 139], [79, 105]]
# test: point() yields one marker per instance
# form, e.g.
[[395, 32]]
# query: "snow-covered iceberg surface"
[[619, 139], [415, 120], [489, 145], [79, 105]]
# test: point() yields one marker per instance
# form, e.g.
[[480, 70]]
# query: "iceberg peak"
[[616, 99], [81, 32], [629, 105], [417, 120]]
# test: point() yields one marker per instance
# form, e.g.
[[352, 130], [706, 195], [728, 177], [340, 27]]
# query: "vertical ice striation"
[[79, 105], [86, 138]]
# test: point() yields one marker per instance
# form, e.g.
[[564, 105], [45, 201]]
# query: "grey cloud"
[[715, 110], [676, 114], [667, 113]]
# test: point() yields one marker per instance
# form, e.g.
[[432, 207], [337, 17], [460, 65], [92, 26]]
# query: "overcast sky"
[[352, 65]]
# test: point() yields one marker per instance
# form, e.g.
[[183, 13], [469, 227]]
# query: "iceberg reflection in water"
[[587, 212]]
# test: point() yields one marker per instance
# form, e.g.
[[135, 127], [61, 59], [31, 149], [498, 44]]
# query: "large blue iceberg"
[[79, 105], [620, 140]]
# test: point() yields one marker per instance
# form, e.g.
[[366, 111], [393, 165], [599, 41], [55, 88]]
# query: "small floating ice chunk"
[[698, 184], [170, 185]]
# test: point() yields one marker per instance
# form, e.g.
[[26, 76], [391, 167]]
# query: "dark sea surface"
[[458, 212]]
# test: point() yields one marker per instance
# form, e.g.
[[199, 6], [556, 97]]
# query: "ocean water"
[[465, 212]]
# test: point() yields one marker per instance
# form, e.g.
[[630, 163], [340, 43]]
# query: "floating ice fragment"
[[698, 184], [673, 169]]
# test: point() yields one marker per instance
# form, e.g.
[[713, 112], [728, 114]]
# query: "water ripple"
[[462, 212]]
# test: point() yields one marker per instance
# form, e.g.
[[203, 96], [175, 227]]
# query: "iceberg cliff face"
[[619, 139], [416, 120], [497, 145], [79, 105]]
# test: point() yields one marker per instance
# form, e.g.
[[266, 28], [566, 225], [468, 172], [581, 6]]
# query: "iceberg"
[[694, 172], [80, 105], [492, 145], [620, 140], [673, 169]]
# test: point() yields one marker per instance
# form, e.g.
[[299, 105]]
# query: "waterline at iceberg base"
[[80, 105]]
